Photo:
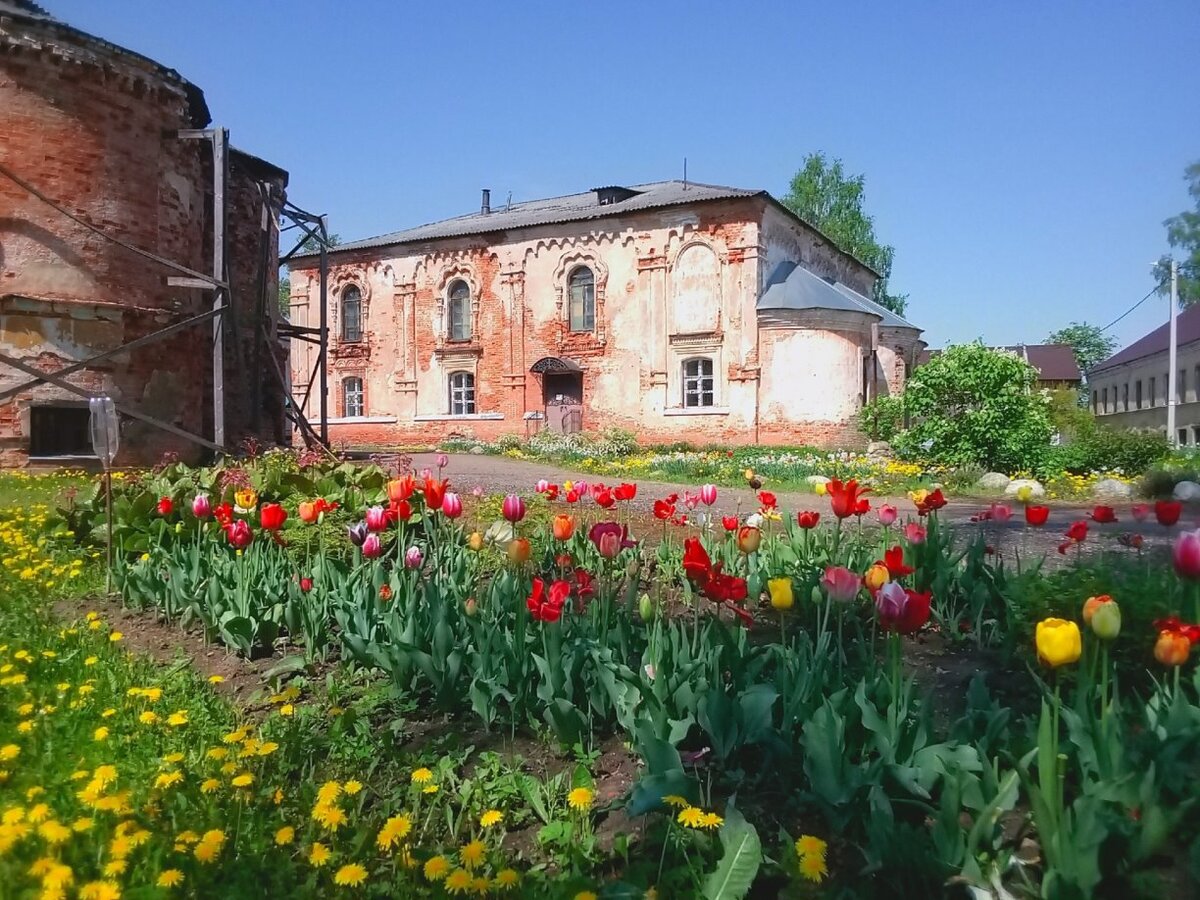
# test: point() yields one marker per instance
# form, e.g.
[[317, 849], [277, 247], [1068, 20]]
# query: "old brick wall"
[[92, 127], [671, 284]]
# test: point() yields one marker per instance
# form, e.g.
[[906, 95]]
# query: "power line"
[[1154, 290]]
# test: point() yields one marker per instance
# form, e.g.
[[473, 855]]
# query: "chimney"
[[486, 206]]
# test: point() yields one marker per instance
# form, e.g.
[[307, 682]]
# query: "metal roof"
[[571, 208], [1157, 341], [1054, 362], [791, 286]]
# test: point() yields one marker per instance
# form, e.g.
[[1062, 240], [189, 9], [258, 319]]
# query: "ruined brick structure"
[[680, 311], [94, 127]]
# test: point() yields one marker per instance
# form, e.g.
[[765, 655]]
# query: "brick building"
[[681, 311], [94, 128]]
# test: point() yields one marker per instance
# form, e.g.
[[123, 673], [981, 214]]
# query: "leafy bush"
[[882, 417], [975, 405]]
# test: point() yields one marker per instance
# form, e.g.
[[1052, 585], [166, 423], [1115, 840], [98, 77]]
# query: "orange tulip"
[[748, 539], [563, 527], [877, 576], [401, 488], [1092, 604], [519, 551], [308, 512], [1172, 649]]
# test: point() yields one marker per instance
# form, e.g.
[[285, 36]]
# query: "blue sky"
[[1020, 156]]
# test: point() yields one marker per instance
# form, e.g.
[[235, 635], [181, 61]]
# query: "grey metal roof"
[[571, 208], [792, 286]]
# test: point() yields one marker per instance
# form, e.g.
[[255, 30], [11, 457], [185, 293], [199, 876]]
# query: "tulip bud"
[[1106, 621], [887, 515], [307, 511], [377, 519], [518, 551], [562, 526], [708, 494], [645, 607], [357, 533], [1024, 493], [443, 460], [542, 485], [877, 576], [817, 596], [179, 528], [1092, 604], [475, 541], [413, 558], [609, 545], [631, 567], [372, 546], [821, 489], [471, 608], [306, 584]]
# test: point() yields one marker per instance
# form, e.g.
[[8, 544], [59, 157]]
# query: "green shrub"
[[882, 417]]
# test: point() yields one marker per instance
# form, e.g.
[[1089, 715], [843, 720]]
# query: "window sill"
[[360, 420], [65, 458], [697, 411], [469, 417]]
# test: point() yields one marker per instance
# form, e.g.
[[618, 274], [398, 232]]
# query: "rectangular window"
[[1125, 397], [1104, 400], [60, 431], [1137, 393], [1153, 391], [698, 383], [352, 397], [1196, 434], [1095, 401], [1181, 388], [1196, 384], [1183, 437], [462, 394]]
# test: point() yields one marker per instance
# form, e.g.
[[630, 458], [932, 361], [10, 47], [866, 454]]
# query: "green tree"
[[972, 405], [823, 195], [1091, 345], [1183, 234]]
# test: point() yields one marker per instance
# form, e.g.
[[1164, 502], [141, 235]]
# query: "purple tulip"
[[890, 600], [426, 473], [513, 508], [201, 506], [372, 546], [357, 533], [377, 519], [413, 558]]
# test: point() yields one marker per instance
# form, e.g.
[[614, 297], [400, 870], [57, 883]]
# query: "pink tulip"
[[377, 519], [890, 600], [477, 491], [888, 515], [426, 473], [609, 545], [443, 460], [1141, 511], [372, 546], [914, 533], [452, 505], [542, 486], [201, 506], [1186, 555], [840, 583], [580, 488], [513, 508], [690, 500], [998, 512], [708, 494], [413, 558]]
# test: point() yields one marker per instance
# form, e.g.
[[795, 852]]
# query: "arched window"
[[352, 397], [582, 290], [698, 382], [460, 311], [462, 394], [352, 314]]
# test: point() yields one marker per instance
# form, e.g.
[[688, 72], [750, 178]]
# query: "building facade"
[[95, 130], [1130, 388], [677, 310]]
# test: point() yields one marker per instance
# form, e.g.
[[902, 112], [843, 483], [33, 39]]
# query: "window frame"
[[586, 301], [460, 302], [692, 384], [463, 394], [358, 315], [348, 392]]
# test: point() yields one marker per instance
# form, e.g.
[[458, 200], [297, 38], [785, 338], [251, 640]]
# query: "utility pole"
[[1171, 373]]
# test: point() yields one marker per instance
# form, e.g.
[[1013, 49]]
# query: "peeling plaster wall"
[[670, 284]]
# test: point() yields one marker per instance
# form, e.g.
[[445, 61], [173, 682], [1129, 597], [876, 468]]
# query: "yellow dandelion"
[[38, 813], [243, 780], [350, 875], [712, 820], [116, 636], [586, 895], [266, 748], [429, 789], [209, 786], [580, 799], [331, 818], [691, 816], [81, 825], [328, 792], [287, 709], [458, 881], [170, 878], [177, 718], [808, 845], [54, 832], [277, 797], [394, 830], [9, 751], [507, 878], [100, 734], [422, 776], [100, 890], [116, 867], [91, 660], [188, 837], [490, 818], [318, 854], [168, 779], [172, 758], [285, 836], [676, 801], [473, 854], [217, 753], [148, 717], [215, 679], [813, 868], [436, 868], [234, 737], [352, 787]]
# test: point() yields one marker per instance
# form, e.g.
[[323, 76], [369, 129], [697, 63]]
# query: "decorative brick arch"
[[457, 272], [339, 280], [567, 264]]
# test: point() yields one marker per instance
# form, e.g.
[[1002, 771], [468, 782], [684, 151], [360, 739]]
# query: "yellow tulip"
[[821, 489], [246, 499], [781, 593], [877, 576], [1058, 642], [475, 541]]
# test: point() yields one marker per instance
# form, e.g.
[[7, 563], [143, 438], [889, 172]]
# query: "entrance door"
[[563, 396]]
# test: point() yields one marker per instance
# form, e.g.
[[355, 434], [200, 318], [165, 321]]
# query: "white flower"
[[754, 520]]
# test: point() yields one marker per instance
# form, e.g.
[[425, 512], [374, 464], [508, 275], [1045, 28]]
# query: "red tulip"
[[401, 488], [1172, 649], [434, 492], [272, 516], [894, 560], [1140, 511], [239, 534], [1186, 555], [610, 538], [844, 498], [223, 514], [604, 498], [808, 519], [377, 518], [931, 502], [165, 506], [915, 533], [513, 508], [1036, 515], [1168, 512], [572, 497], [452, 505], [729, 523], [399, 511], [625, 491], [1104, 515], [1077, 531], [201, 506], [305, 585], [663, 509], [547, 609], [767, 499]]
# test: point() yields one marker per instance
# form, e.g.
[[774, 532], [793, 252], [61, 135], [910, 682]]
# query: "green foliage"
[[740, 858], [882, 418], [823, 195], [1096, 447], [1090, 344], [1183, 233], [972, 405]]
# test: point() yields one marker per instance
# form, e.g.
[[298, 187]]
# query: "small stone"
[[817, 479], [1112, 489], [1187, 490], [881, 449], [1035, 487], [994, 482], [476, 451]]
